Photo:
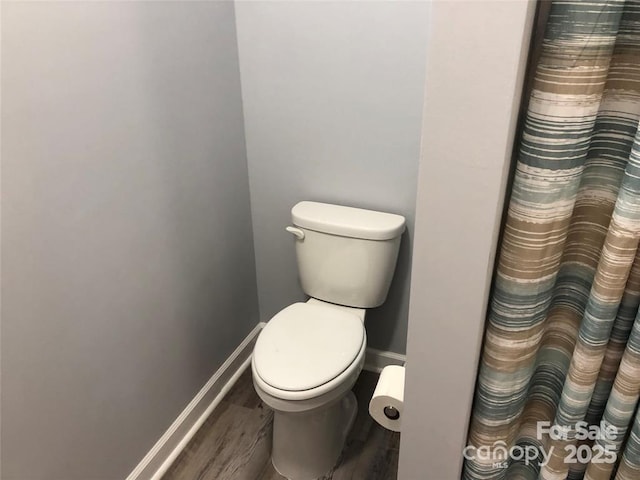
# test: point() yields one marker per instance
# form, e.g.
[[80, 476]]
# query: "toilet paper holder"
[[392, 413], [386, 405]]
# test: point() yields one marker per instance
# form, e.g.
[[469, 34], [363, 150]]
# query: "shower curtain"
[[559, 380]]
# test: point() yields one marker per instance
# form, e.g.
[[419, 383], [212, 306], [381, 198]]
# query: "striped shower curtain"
[[559, 380]]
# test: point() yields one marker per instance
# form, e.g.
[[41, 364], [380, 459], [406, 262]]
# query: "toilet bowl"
[[309, 355], [305, 363]]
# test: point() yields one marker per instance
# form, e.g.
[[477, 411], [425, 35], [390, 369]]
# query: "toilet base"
[[306, 445]]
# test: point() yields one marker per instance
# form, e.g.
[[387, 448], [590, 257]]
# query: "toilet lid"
[[307, 345]]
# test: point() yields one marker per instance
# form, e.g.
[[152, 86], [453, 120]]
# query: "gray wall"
[[127, 260], [467, 141], [332, 95]]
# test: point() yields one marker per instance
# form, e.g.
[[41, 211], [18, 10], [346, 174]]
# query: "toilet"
[[309, 355]]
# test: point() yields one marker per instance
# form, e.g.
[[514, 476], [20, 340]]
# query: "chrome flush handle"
[[299, 234]]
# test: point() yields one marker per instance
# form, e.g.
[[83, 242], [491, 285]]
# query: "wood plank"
[[235, 442]]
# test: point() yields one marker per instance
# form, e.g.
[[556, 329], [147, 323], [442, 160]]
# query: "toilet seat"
[[307, 349]]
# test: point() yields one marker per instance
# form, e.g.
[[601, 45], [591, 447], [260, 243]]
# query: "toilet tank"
[[346, 255]]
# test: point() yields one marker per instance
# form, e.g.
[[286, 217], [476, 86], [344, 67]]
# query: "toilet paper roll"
[[388, 398]]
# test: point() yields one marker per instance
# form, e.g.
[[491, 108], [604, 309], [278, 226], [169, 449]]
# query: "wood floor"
[[235, 442]]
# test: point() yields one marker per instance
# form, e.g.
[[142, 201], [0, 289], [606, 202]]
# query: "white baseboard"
[[376, 360], [155, 464]]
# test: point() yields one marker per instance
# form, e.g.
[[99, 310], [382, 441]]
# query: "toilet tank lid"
[[347, 221]]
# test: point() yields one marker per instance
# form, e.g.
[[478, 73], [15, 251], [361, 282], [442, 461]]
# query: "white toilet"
[[309, 355]]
